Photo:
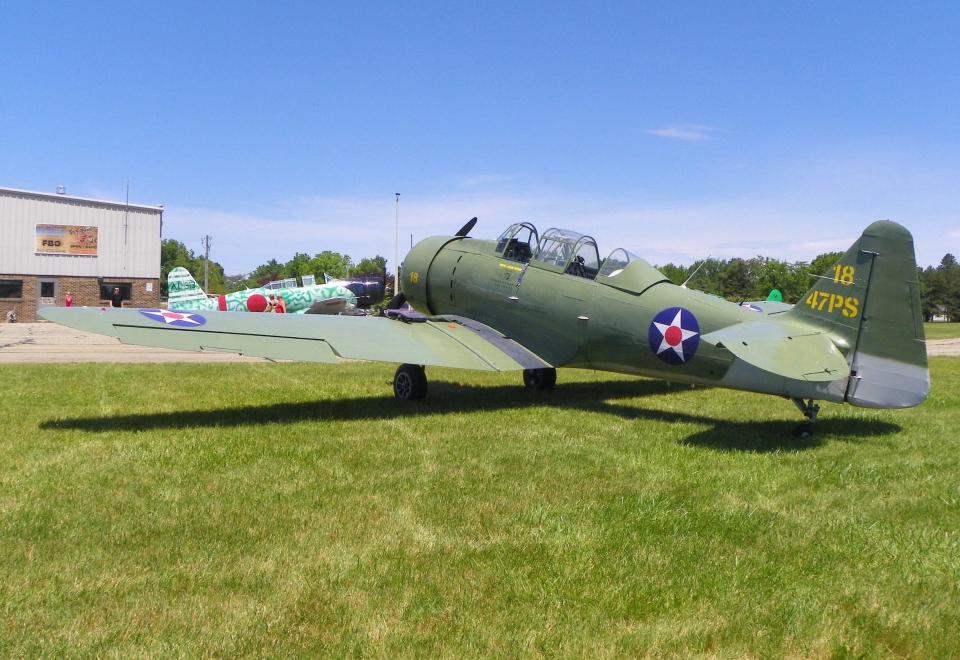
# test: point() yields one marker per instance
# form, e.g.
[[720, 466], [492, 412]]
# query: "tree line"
[[753, 279], [734, 279]]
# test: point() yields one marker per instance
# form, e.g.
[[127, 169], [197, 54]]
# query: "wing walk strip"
[[509, 347]]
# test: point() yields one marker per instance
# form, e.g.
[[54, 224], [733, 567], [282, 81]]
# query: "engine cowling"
[[415, 272]]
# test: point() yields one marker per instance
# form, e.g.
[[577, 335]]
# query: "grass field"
[[941, 330], [251, 509]]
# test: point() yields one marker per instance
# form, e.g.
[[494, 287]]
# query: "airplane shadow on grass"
[[451, 398]]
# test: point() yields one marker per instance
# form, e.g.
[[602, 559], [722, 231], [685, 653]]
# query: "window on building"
[[47, 289], [11, 289], [106, 289]]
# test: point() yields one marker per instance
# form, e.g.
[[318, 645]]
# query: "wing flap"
[[309, 337], [784, 348]]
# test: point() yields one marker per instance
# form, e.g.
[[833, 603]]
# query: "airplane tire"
[[540, 379], [410, 383], [804, 430]]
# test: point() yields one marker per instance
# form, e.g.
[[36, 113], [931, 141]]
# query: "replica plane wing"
[[441, 342]]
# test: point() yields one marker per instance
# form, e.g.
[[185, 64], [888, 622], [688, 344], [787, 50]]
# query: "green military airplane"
[[532, 303]]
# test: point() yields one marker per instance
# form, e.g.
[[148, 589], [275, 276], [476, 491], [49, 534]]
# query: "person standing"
[[116, 300], [68, 300], [281, 305]]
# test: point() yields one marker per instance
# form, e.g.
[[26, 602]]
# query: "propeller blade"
[[464, 230], [397, 301]]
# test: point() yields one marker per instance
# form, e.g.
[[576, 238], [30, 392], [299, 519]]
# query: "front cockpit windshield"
[[575, 253], [517, 242]]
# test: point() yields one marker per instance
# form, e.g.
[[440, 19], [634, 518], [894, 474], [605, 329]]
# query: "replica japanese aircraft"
[[532, 303], [331, 297]]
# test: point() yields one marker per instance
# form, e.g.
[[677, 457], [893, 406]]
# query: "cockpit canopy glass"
[[517, 242], [616, 262], [575, 253]]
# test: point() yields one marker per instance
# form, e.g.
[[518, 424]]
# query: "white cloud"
[[684, 132], [365, 227]]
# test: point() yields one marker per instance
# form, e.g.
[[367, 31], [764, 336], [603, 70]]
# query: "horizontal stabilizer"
[[790, 350]]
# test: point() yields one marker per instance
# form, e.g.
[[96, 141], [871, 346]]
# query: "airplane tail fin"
[[183, 291], [870, 305]]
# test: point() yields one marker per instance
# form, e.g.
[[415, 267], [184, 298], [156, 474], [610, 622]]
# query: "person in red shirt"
[[68, 300], [281, 307]]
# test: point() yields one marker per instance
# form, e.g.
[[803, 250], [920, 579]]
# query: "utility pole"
[[396, 247], [206, 263]]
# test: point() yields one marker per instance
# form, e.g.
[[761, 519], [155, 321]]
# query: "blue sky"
[[676, 130]]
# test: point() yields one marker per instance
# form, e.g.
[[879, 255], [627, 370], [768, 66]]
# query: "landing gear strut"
[[809, 409], [540, 379], [409, 383]]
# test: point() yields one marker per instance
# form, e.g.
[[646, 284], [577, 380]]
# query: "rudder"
[[870, 305], [184, 292]]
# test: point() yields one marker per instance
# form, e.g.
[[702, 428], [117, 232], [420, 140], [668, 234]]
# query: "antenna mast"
[[396, 247], [206, 263]]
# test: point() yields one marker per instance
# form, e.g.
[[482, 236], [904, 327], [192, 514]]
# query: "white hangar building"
[[53, 244]]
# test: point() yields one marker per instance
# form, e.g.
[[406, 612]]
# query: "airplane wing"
[[788, 349], [440, 342]]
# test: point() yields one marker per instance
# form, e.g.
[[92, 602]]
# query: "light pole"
[[396, 247]]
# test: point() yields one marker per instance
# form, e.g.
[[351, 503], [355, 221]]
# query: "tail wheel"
[[540, 379], [410, 383]]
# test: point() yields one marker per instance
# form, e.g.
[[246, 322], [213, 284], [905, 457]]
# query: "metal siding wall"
[[20, 214]]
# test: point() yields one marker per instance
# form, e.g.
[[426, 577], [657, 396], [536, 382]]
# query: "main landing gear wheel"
[[540, 379], [410, 383], [809, 408]]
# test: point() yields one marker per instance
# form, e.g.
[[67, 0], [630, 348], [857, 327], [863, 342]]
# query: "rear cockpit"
[[568, 252]]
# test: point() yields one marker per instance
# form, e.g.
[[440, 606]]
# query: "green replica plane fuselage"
[[534, 303], [186, 295]]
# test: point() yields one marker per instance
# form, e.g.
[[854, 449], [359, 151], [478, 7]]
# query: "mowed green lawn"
[[287, 509], [941, 330]]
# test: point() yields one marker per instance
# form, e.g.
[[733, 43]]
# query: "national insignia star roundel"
[[176, 319], [674, 335]]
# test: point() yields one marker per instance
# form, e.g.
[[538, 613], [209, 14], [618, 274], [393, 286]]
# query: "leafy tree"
[[676, 274], [175, 254], [264, 273], [297, 267], [823, 264], [948, 279], [370, 266], [704, 275], [735, 280], [791, 280], [330, 263]]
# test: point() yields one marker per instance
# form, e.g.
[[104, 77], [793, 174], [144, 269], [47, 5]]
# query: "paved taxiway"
[[51, 343]]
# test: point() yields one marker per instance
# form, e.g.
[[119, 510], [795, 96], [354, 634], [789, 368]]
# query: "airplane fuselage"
[[619, 324]]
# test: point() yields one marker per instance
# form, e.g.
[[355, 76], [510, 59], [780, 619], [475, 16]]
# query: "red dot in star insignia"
[[256, 303], [673, 335]]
